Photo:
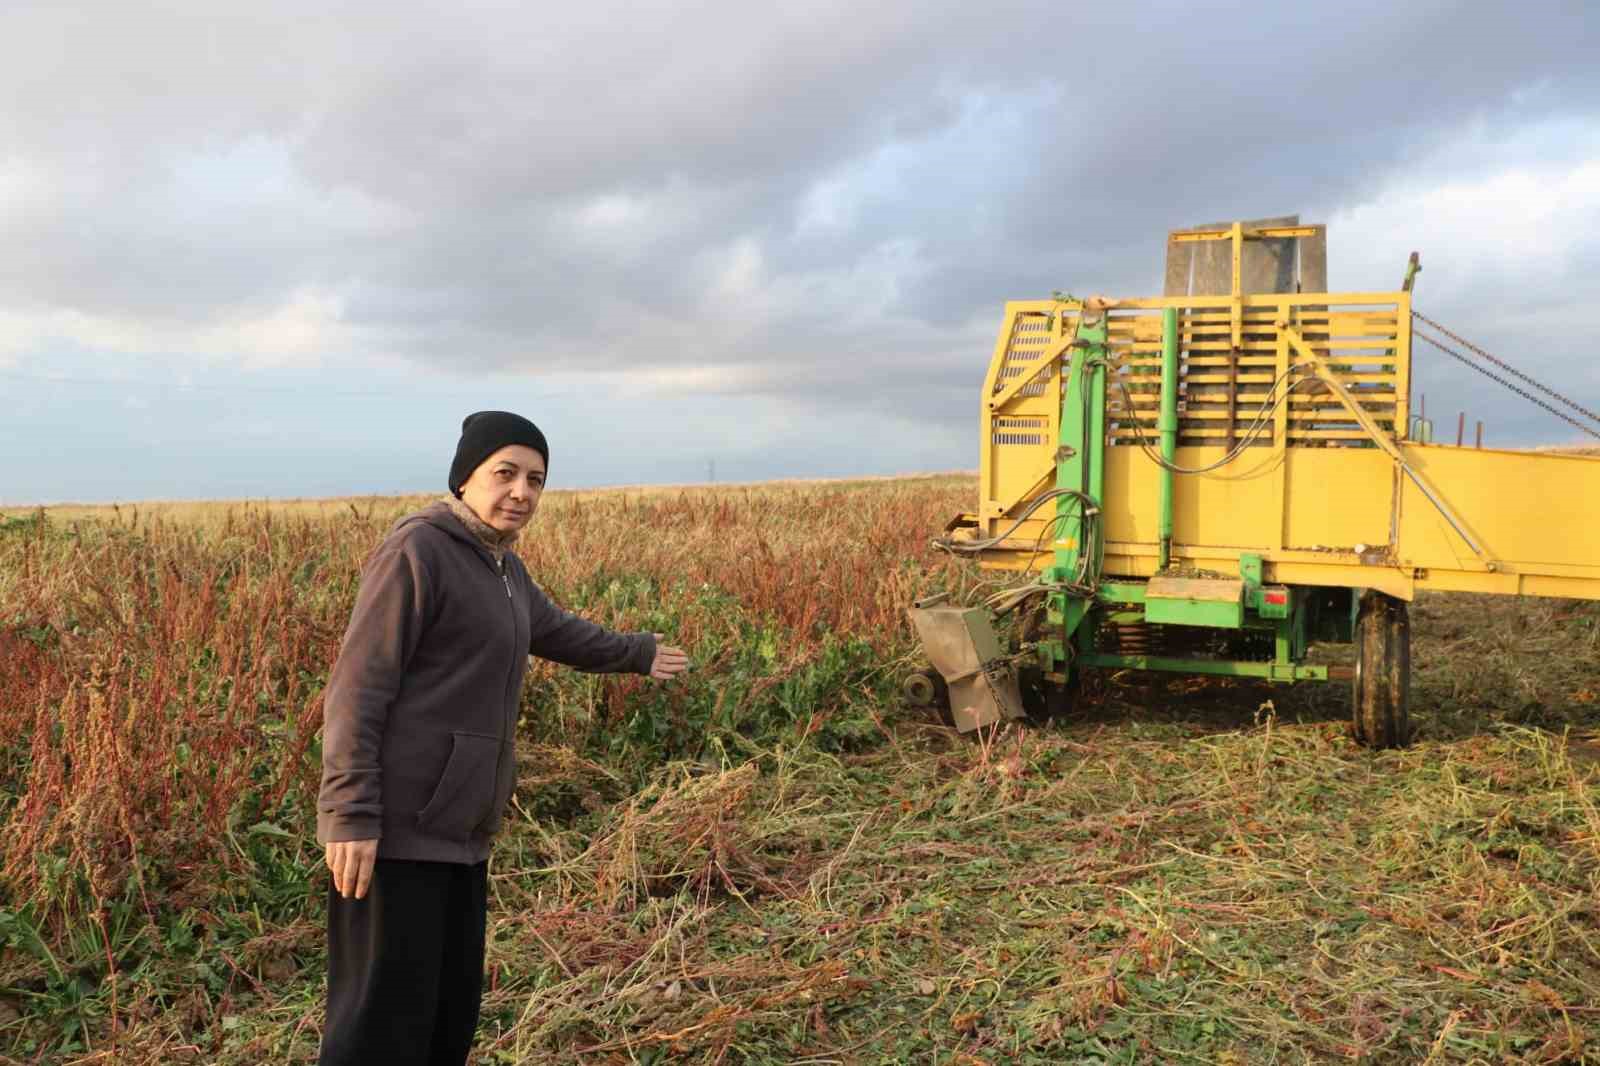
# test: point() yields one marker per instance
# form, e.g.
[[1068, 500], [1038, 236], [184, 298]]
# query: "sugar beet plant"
[[771, 860], [160, 685]]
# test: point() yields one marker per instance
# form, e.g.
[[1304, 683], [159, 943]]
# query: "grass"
[[774, 861]]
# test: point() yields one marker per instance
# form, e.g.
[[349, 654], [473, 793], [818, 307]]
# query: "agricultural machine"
[[1211, 481]]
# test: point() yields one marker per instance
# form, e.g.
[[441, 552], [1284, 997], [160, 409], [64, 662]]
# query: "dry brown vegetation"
[[774, 861]]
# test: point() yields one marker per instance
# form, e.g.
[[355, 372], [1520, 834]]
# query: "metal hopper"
[[962, 645]]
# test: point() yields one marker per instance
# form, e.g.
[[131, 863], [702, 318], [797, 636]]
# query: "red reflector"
[[1278, 598]]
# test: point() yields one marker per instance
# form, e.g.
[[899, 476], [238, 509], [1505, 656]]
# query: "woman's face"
[[504, 490]]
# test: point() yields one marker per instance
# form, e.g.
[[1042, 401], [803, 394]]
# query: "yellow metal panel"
[[1345, 435], [1025, 374], [1020, 430], [1310, 495], [988, 459], [1402, 364], [1339, 498], [1376, 302], [1273, 535], [1338, 572], [1202, 408], [1341, 347], [1512, 584], [1262, 355], [1131, 508], [1530, 510], [1187, 236]]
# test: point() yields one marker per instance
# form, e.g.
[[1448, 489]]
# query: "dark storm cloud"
[[839, 197]]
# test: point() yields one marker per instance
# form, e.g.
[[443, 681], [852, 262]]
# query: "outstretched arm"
[[563, 637]]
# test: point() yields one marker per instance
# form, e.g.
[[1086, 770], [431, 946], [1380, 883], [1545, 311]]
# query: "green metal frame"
[[1168, 426], [1213, 614], [1271, 671], [1289, 641], [1080, 467]]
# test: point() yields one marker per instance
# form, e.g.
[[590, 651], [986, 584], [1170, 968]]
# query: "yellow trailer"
[[1209, 481]]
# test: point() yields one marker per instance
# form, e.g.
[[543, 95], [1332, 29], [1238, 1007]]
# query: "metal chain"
[[1496, 377], [1502, 365]]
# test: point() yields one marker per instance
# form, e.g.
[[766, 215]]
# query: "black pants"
[[405, 966]]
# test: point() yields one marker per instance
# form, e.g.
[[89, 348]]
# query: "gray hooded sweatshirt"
[[420, 713]]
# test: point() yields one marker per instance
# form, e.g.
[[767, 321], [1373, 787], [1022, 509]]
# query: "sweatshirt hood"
[[440, 516]]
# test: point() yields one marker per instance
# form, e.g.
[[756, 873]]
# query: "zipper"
[[507, 722]]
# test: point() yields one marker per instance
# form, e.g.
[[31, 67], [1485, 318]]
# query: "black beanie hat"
[[485, 432]]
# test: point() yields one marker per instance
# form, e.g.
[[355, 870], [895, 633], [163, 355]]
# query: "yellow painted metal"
[[1348, 519], [1236, 305], [1321, 495], [1367, 332], [1374, 433], [1187, 236]]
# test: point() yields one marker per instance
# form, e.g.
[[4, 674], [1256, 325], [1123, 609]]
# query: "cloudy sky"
[[282, 248]]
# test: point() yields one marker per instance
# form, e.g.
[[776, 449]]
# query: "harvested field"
[[773, 861]]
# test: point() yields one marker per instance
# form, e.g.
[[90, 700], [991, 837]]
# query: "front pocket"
[[466, 789]]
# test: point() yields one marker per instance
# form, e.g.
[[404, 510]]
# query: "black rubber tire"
[[1381, 690], [918, 688]]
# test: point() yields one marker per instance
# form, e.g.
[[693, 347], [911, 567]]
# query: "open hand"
[[669, 661], [351, 862]]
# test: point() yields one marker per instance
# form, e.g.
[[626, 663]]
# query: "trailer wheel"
[[1382, 686], [926, 688]]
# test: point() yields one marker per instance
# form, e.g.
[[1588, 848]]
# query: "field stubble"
[[772, 861]]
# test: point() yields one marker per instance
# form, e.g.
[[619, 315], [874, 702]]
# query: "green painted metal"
[[1272, 671], [1121, 592], [1123, 602], [1267, 609], [1168, 425], [1122, 617], [1252, 570], [1189, 611], [1080, 467], [1413, 268]]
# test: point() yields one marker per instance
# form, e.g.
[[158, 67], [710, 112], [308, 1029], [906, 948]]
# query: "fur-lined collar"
[[497, 541]]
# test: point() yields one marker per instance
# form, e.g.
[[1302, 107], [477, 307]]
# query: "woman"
[[417, 763]]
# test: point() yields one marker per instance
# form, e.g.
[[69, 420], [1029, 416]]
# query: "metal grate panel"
[[1020, 429]]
